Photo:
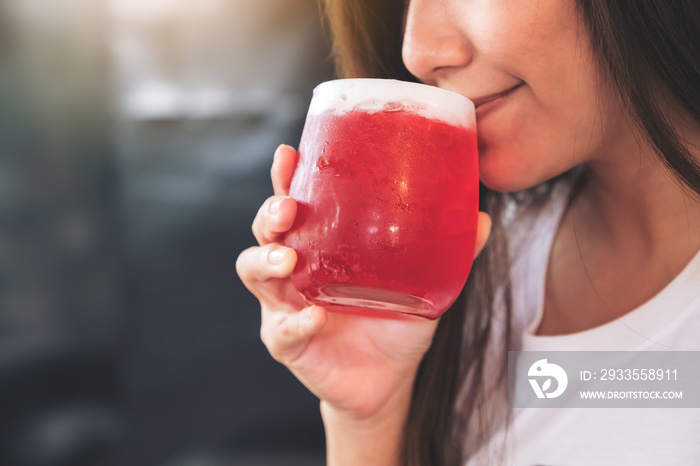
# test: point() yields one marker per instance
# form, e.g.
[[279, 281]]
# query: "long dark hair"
[[650, 51]]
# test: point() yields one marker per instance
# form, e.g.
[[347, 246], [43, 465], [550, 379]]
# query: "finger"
[[283, 166], [483, 230], [260, 268], [286, 334], [274, 218]]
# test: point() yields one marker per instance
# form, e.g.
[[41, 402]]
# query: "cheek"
[[529, 143], [554, 122]]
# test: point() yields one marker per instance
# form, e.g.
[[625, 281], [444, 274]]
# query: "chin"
[[510, 171], [502, 175]]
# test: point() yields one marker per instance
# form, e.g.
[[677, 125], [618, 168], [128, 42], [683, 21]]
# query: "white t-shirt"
[[597, 436]]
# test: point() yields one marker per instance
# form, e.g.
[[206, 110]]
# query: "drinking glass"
[[387, 187]]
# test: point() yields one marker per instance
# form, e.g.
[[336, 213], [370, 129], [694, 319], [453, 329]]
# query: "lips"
[[481, 101]]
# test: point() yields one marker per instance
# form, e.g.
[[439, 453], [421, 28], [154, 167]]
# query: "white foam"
[[374, 95]]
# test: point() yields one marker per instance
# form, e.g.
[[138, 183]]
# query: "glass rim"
[[376, 94]]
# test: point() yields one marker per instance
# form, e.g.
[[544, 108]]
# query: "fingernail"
[[275, 206], [277, 256]]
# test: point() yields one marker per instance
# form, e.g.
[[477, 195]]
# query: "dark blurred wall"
[[206, 93], [59, 280], [135, 145]]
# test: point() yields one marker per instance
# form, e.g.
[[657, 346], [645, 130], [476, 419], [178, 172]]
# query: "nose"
[[433, 43]]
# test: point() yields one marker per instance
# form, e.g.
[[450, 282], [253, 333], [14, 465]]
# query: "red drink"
[[388, 204]]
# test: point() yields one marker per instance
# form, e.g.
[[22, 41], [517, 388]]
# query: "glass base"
[[372, 299]]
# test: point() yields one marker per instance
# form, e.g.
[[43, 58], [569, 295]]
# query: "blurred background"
[[136, 138]]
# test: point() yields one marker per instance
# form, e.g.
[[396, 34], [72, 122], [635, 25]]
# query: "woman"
[[587, 110]]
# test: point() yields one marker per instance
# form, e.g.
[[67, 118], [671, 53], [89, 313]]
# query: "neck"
[[630, 230], [632, 201]]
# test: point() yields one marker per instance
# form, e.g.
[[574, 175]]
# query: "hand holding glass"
[[387, 190]]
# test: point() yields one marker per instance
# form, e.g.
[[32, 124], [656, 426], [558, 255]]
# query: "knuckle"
[[264, 225], [284, 328], [274, 333], [242, 265], [264, 336], [258, 223], [268, 339], [247, 265]]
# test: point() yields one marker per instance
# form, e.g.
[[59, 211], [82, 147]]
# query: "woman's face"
[[541, 104]]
